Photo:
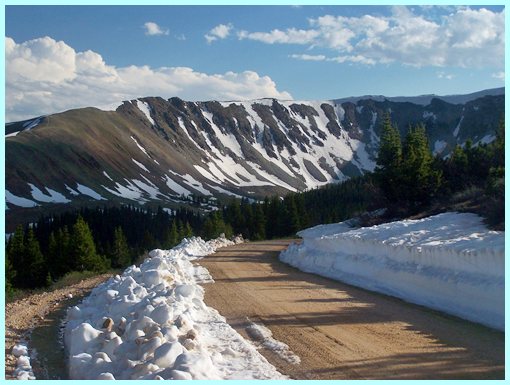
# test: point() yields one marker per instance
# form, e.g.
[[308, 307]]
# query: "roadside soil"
[[343, 332], [24, 315]]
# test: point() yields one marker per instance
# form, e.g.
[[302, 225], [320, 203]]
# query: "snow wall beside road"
[[449, 262]]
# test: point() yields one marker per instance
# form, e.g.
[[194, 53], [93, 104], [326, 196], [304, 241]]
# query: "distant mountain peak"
[[152, 150]]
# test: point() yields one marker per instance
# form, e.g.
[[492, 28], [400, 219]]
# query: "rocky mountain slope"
[[165, 151]]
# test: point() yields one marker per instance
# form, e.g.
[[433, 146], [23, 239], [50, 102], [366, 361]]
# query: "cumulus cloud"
[[44, 76], [462, 37], [152, 29], [221, 31]]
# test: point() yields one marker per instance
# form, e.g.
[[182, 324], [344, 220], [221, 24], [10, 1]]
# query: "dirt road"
[[342, 332], [35, 311]]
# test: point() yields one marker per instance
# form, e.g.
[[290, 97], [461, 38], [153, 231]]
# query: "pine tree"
[[389, 159], [120, 251], [16, 255], [188, 231], [420, 178], [34, 274], [10, 275], [173, 236], [292, 218], [259, 223], [83, 250], [457, 169]]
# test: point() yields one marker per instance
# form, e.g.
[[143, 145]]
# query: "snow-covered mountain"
[[156, 150]]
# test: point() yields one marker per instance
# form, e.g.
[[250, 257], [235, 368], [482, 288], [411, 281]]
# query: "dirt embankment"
[[342, 332], [23, 315]]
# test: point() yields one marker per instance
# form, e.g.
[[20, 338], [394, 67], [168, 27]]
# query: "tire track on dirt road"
[[343, 332]]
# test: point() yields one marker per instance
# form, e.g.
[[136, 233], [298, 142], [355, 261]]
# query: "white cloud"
[[461, 37], [499, 75], [44, 76], [307, 57], [444, 75], [221, 31], [276, 36], [152, 29]]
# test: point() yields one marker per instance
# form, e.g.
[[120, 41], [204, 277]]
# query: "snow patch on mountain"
[[140, 146], [487, 139], [176, 187], [106, 175], [31, 124], [89, 192], [195, 184], [140, 165], [18, 201], [53, 197], [130, 191], [146, 109], [71, 191], [457, 128], [439, 146]]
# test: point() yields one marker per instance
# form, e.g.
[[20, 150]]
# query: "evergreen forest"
[[408, 180]]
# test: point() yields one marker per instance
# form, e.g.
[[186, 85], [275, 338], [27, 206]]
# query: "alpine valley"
[[152, 151]]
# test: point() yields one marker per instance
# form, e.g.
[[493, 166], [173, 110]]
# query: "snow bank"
[[449, 262], [23, 369], [152, 323], [264, 337]]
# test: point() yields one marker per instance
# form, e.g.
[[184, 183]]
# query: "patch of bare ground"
[[23, 315]]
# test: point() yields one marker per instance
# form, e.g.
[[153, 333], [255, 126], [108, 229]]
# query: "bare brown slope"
[[341, 332]]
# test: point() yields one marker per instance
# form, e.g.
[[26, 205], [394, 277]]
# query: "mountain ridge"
[[170, 152]]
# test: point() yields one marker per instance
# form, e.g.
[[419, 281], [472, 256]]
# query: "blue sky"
[[61, 57]]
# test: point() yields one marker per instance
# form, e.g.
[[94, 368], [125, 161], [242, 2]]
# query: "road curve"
[[342, 332]]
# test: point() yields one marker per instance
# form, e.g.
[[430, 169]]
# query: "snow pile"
[[23, 369], [152, 323], [264, 337], [449, 262]]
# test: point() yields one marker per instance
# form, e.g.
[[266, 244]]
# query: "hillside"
[[152, 150]]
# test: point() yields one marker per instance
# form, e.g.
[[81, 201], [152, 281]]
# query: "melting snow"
[[227, 139], [27, 126], [174, 186], [439, 146], [12, 134], [145, 108], [54, 197], [140, 165], [487, 139], [140, 146], [457, 128], [148, 187], [73, 192], [449, 262], [160, 327], [428, 114], [264, 337], [18, 201], [106, 175], [192, 182], [88, 191], [128, 192], [23, 369]]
